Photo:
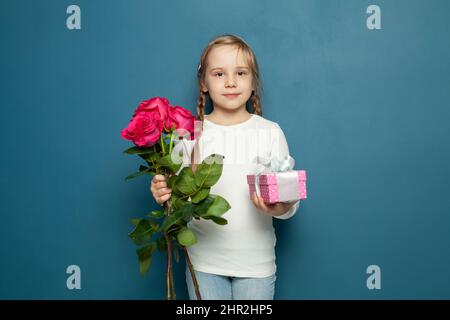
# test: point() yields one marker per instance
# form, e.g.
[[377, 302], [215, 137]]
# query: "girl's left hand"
[[274, 209]]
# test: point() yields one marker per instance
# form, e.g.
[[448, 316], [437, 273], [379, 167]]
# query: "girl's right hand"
[[159, 189]]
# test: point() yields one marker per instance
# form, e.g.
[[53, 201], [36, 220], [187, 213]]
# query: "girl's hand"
[[275, 209], [159, 189]]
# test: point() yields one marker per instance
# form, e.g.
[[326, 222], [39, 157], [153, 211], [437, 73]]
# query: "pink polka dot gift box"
[[279, 186]]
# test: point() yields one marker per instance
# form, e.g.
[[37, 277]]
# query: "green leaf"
[[145, 257], [157, 214], [219, 220], [135, 221], [172, 185], [188, 217], [186, 181], [177, 215], [167, 162], [186, 237], [209, 171], [173, 230], [152, 156], [200, 195], [143, 231], [202, 207], [174, 200], [171, 181], [177, 202], [170, 220], [138, 150], [218, 207], [213, 205], [137, 174], [161, 244]]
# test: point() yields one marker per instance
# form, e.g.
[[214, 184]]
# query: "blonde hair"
[[228, 39]]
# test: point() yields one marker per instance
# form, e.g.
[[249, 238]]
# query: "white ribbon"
[[285, 179]]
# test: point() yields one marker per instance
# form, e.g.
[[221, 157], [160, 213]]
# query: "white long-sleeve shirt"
[[245, 247]]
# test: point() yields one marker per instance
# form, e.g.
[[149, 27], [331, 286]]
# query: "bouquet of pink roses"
[[153, 129]]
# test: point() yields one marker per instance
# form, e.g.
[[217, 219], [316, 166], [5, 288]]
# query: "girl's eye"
[[241, 73]]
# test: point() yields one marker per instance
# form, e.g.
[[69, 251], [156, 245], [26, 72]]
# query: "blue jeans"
[[218, 287]]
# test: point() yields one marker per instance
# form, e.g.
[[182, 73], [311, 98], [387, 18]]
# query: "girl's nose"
[[230, 82]]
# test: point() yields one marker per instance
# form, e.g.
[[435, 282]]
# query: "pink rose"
[[182, 119], [144, 129], [157, 105]]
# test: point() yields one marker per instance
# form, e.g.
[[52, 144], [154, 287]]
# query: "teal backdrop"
[[365, 112]]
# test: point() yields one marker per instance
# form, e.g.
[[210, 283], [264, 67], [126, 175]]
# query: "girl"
[[237, 260]]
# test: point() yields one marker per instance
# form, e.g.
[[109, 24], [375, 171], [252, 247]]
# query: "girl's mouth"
[[231, 96]]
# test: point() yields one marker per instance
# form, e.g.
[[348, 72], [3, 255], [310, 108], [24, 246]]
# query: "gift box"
[[279, 186]]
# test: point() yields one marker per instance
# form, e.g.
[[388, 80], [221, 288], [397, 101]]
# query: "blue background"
[[365, 112]]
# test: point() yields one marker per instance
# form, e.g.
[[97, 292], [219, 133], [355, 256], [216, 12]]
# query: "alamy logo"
[[240, 145], [74, 20], [374, 280], [374, 20], [74, 280]]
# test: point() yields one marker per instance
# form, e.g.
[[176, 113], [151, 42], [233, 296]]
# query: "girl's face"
[[228, 73]]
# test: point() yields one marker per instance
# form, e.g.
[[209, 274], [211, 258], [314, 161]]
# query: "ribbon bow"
[[274, 164]]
